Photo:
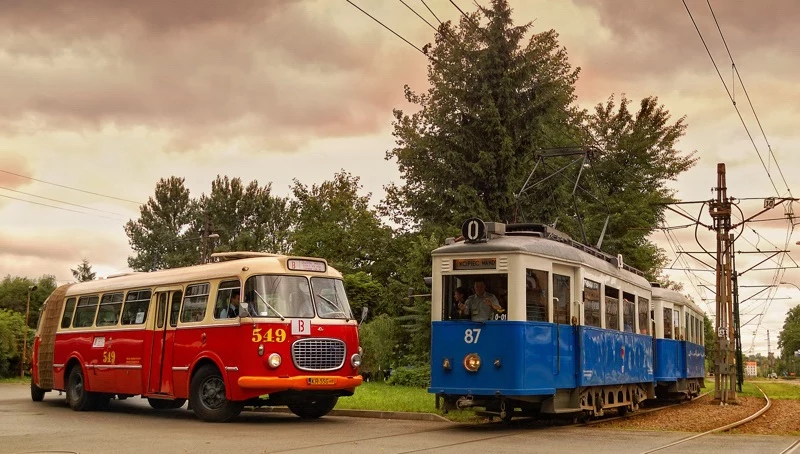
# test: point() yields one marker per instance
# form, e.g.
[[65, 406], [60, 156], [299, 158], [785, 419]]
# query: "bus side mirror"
[[364, 311]]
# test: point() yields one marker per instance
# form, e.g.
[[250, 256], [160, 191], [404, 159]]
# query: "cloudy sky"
[[108, 97]]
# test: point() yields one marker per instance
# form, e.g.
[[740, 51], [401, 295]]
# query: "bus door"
[[168, 302]]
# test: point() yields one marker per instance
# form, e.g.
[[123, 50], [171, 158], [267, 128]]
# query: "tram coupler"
[[464, 402]]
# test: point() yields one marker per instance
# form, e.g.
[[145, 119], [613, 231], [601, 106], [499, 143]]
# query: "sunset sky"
[[110, 96]]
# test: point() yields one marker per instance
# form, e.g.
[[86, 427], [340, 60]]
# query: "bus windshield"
[[278, 296], [330, 298]]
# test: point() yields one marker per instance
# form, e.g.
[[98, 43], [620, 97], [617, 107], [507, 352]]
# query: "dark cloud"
[[205, 71]]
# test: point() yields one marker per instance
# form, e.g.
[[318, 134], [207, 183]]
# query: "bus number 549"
[[471, 336]]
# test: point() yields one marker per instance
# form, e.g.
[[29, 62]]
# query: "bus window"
[[161, 310], [331, 300], [536, 295], [667, 323], [287, 296], [110, 308], [136, 305], [85, 311], [175, 308], [612, 308], [486, 297], [69, 308], [561, 295], [224, 293], [628, 312], [644, 316], [591, 303], [195, 303]]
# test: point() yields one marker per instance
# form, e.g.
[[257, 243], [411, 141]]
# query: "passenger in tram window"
[[459, 300], [482, 305], [232, 311]]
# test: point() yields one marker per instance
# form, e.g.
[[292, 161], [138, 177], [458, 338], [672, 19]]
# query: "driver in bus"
[[232, 311], [482, 305]]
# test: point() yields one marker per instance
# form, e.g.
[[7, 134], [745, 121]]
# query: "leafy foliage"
[[83, 272], [419, 376], [789, 337], [378, 339], [14, 295], [12, 328], [710, 338]]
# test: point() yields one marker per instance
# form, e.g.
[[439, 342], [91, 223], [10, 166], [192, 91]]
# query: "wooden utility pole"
[[724, 363]]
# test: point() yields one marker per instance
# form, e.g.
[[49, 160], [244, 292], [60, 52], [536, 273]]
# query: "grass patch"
[[15, 380], [774, 389], [384, 397]]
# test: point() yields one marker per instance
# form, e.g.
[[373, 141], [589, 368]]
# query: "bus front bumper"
[[300, 383]]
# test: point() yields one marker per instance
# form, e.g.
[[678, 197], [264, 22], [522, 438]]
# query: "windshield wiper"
[[335, 306], [269, 305]]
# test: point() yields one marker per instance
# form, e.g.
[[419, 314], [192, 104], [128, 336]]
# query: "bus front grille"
[[318, 354]]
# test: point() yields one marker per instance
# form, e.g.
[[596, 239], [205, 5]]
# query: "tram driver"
[[482, 305]]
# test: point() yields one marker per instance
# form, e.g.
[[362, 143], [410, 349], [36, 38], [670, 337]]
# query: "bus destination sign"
[[475, 264]]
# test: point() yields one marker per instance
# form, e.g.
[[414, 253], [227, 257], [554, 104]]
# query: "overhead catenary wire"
[[60, 208], [59, 201], [71, 188], [431, 11]]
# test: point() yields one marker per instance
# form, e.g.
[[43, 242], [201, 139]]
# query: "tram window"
[[688, 328], [110, 308], [69, 308], [644, 316], [561, 298], [85, 311], [492, 305], [175, 308], [677, 320], [136, 305], [195, 303], [667, 323], [612, 308], [536, 296], [628, 312], [224, 295], [591, 303]]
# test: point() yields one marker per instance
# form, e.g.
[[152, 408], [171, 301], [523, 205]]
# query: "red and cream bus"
[[174, 335]]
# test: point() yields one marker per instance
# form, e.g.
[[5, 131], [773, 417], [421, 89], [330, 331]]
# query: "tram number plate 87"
[[471, 336]]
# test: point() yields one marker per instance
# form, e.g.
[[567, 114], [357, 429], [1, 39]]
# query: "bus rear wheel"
[[208, 399], [37, 393], [77, 397], [312, 407], [162, 404]]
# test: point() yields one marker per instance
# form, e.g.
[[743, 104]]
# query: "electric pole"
[[720, 210]]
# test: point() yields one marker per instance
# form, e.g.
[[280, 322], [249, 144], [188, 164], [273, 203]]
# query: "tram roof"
[[675, 297], [255, 264], [545, 247]]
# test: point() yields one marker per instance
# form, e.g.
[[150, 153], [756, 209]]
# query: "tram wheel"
[[37, 393], [78, 398], [312, 407], [208, 398]]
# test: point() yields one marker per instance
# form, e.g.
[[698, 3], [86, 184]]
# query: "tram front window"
[[476, 297]]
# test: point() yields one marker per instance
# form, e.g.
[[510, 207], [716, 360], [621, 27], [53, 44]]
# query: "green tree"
[[710, 339], [364, 291], [14, 295], [12, 328], [789, 337], [164, 235], [336, 223], [248, 218], [378, 339], [83, 272]]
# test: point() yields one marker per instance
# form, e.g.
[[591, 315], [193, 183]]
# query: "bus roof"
[[257, 264]]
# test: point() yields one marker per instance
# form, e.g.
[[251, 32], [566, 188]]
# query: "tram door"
[[160, 377]]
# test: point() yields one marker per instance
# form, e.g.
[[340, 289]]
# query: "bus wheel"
[[37, 393], [208, 399], [77, 397], [312, 407], [161, 404]]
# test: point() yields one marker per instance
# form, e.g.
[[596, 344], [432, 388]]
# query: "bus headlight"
[[355, 360], [274, 360], [472, 362]]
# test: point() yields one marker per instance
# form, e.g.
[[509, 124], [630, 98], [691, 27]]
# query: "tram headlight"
[[355, 360], [274, 360], [472, 362]]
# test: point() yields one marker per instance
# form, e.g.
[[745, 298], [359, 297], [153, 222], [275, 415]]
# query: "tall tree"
[[165, 235], [337, 223], [14, 294], [83, 272], [494, 99], [789, 337]]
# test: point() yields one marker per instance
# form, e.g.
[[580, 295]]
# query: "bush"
[[418, 377]]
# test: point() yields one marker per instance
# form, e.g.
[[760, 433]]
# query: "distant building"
[[751, 368]]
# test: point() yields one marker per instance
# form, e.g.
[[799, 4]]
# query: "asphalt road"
[[132, 426]]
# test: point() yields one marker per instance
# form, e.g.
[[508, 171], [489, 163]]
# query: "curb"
[[376, 414]]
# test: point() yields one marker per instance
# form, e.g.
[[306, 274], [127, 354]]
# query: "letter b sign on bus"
[[473, 230], [301, 327]]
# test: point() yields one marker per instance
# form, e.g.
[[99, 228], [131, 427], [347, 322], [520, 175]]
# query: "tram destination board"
[[475, 264]]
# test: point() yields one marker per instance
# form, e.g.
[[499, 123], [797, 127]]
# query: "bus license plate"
[[321, 381]]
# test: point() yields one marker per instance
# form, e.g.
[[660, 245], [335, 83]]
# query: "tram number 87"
[[471, 336]]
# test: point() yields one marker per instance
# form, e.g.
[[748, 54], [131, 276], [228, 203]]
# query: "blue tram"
[[526, 321]]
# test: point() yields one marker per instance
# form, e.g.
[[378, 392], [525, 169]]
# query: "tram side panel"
[[669, 361], [613, 357], [695, 358], [549, 351]]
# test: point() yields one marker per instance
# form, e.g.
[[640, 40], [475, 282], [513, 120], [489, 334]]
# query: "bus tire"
[[312, 407], [77, 397], [162, 404], [207, 396], [37, 393]]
